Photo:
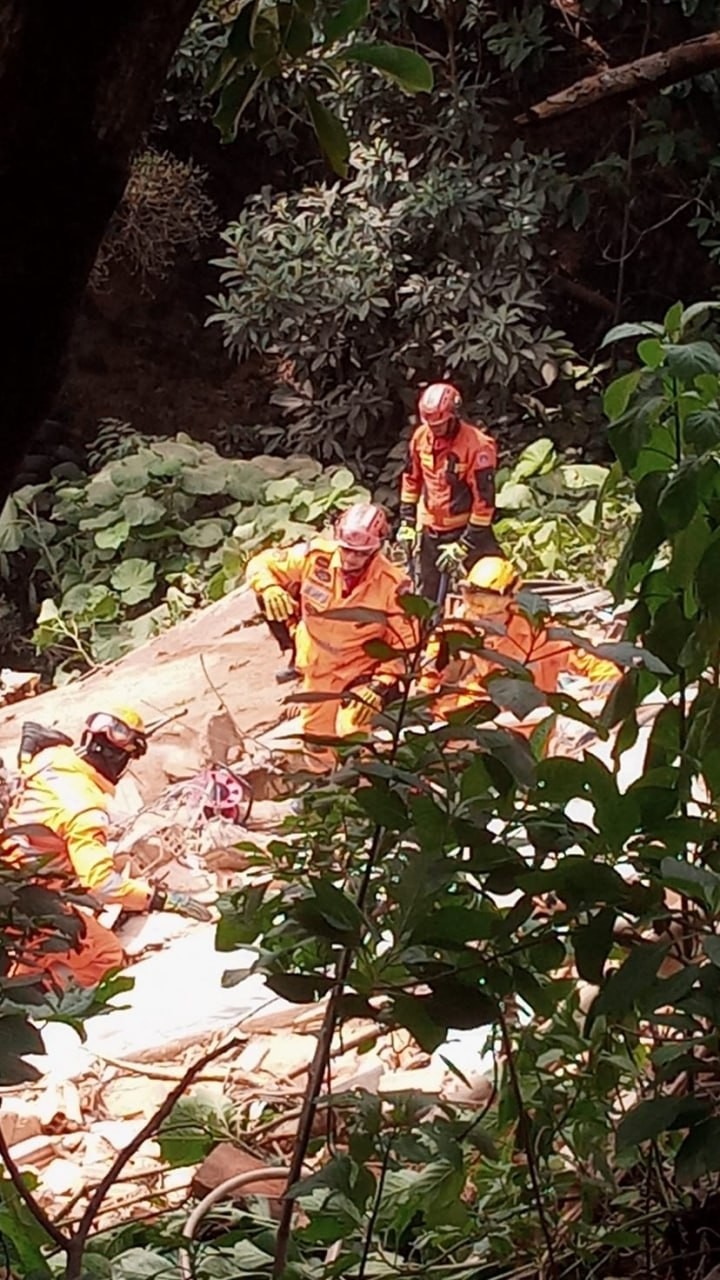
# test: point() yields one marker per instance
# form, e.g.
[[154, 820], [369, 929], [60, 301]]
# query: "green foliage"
[[195, 1125], [521, 39], [414, 264], [551, 510], [306, 44], [109, 559], [415, 877]]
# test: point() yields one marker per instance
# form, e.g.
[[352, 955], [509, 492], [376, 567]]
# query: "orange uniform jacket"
[[461, 682], [330, 653], [451, 478], [61, 810]]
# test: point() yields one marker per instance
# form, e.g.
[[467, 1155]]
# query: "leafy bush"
[[424, 264], [165, 210], [551, 511], [115, 556]]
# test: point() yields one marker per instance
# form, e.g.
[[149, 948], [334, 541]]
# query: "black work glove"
[[181, 904]]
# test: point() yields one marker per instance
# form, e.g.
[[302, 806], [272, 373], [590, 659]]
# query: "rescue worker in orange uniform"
[[447, 495], [488, 609], [60, 814], [303, 584]]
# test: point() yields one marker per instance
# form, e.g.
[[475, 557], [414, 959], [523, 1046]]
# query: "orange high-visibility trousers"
[[97, 951]]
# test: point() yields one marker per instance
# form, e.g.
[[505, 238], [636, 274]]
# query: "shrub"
[[426, 263], [551, 510], [110, 559]]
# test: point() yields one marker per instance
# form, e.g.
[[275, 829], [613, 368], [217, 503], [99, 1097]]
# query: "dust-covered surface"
[[214, 666], [93, 1098]]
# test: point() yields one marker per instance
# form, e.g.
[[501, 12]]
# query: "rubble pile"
[[93, 1099], [69, 1128]]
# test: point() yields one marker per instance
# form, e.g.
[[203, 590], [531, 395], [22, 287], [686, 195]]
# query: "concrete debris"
[[15, 686], [67, 1131], [94, 1097]]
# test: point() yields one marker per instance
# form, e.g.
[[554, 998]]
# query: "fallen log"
[[649, 73]]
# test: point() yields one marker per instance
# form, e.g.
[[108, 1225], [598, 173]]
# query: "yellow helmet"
[[492, 573], [129, 716]]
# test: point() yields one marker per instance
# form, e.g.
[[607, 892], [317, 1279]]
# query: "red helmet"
[[363, 527], [438, 403]]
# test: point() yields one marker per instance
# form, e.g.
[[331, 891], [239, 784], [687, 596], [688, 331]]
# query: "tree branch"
[[76, 1245], [632, 78], [26, 1195], [581, 293]]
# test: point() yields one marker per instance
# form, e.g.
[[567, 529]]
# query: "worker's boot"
[[285, 674]]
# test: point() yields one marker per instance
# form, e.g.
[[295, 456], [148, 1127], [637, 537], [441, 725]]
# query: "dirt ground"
[[214, 664]]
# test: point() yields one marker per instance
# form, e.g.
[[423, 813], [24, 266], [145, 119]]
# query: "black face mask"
[[110, 761]]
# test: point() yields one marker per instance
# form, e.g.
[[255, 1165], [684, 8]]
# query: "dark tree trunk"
[[78, 79], [644, 75]]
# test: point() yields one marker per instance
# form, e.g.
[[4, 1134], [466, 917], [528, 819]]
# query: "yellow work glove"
[[450, 555], [277, 604], [408, 537], [363, 703]]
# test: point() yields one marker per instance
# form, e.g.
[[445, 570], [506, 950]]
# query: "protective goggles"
[[118, 733]]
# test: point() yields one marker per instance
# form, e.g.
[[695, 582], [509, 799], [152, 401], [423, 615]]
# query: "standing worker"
[[302, 584], [60, 814], [447, 496]]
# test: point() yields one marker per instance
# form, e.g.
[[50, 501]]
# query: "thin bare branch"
[[77, 1243], [26, 1195]]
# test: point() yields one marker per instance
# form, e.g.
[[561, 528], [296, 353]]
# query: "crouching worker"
[[304, 585], [59, 814], [489, 609]]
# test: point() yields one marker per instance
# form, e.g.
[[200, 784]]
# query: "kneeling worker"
[[489, 609], [305, 583], [60, 814]]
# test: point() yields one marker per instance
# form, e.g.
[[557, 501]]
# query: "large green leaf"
[[205, 478], [21, 1228], [296, 34], [384, 806], [519, 696], [240, 38], [617, 395], [129, 475], [116, 535], [331, 134], [299, 988], [205, 533], [139, 509], [11, 532], [702, 428], [192, 1129], [329, 913], [17, 1037], [233, 100], [592, 943], [408, 69], [628, 983], [687, 360], [134, 579], [536, 459], [620, 332], [654, 1116], [699, 1154], [412, 1013]]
